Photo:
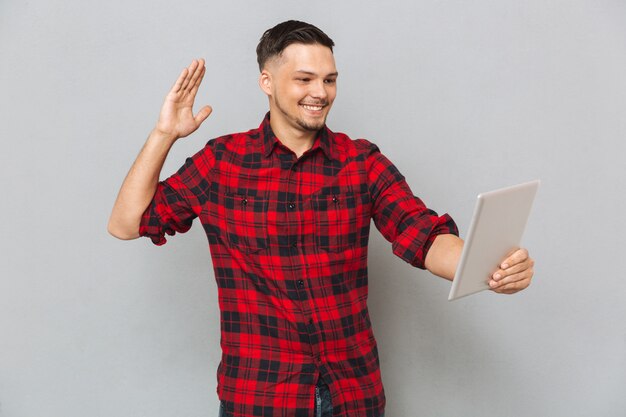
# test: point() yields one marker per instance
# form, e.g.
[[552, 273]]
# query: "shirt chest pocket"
[[245, 221], [339, 220]]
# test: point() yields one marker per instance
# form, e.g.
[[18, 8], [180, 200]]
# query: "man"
[[287, 210]]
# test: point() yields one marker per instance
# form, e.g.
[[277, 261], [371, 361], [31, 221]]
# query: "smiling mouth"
[[312, 107]]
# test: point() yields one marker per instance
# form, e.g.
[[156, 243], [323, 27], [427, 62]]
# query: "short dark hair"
[[275, 40]]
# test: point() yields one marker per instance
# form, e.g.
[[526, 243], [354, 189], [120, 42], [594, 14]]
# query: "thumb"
[[203, 114]]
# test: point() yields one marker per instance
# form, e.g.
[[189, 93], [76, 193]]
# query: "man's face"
[[301, 85]]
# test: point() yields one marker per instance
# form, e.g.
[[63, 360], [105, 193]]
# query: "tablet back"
[[496, 230]]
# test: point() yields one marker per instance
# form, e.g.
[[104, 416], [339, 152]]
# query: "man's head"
[[298, 74], [275, 40]]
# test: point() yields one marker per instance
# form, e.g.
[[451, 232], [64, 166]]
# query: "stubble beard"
[[310, 127]]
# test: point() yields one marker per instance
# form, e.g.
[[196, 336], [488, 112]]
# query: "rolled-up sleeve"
[[402, 218], [176, 202], [168, 213]]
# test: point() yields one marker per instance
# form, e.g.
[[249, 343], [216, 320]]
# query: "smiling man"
[[301, 84], [287, 208]]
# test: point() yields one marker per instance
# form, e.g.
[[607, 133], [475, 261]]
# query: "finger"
[[520, 255], [179, 82], [190, 71], [502, 273], [195, 75], [195, 83], [512, 287], [201, 64], [524, 275], [527, 274], [203, 114]]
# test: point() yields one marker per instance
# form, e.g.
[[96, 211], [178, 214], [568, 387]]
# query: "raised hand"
[[176, 119]]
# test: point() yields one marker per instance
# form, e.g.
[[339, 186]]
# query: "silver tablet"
[[496, 230]]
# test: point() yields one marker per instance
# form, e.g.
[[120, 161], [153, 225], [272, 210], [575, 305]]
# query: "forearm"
[[139, 186], [443, 256]]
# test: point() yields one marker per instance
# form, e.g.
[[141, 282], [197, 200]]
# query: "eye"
[[303, 80], [330, 81]]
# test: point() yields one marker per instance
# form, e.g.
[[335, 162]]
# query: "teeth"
[[313, 108]]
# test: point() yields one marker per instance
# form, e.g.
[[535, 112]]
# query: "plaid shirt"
[[288, 239]]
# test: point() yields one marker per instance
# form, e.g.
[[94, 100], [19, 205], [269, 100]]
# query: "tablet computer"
[[495, 231]]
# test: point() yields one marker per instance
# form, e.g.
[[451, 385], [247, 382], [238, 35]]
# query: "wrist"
[[160, 136]]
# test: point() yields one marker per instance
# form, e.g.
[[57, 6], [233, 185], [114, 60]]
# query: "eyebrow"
[[332, 74]]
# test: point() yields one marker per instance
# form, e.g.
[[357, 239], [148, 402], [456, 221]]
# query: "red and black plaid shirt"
[[288, 239]]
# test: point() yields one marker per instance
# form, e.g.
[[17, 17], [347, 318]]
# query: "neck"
[[298, 141]]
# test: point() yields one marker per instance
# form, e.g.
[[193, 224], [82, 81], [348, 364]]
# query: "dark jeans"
[[323, 404]]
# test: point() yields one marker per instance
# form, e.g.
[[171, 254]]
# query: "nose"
[[318, 90]]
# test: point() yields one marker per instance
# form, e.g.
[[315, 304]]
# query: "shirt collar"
[[324, 139]]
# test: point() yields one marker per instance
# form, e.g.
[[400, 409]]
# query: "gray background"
[[463, 96]]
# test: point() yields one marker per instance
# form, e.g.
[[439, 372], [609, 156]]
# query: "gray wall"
[[462, 96]]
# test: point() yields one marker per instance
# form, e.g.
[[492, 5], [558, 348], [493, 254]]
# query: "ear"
[[265, 82]]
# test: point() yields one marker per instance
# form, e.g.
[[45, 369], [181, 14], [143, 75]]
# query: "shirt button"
[[310, 321], [335, 200], [244, 202], [300, 283], [292, 206]]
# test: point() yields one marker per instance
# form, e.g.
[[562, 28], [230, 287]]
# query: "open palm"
[[177, 119]]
